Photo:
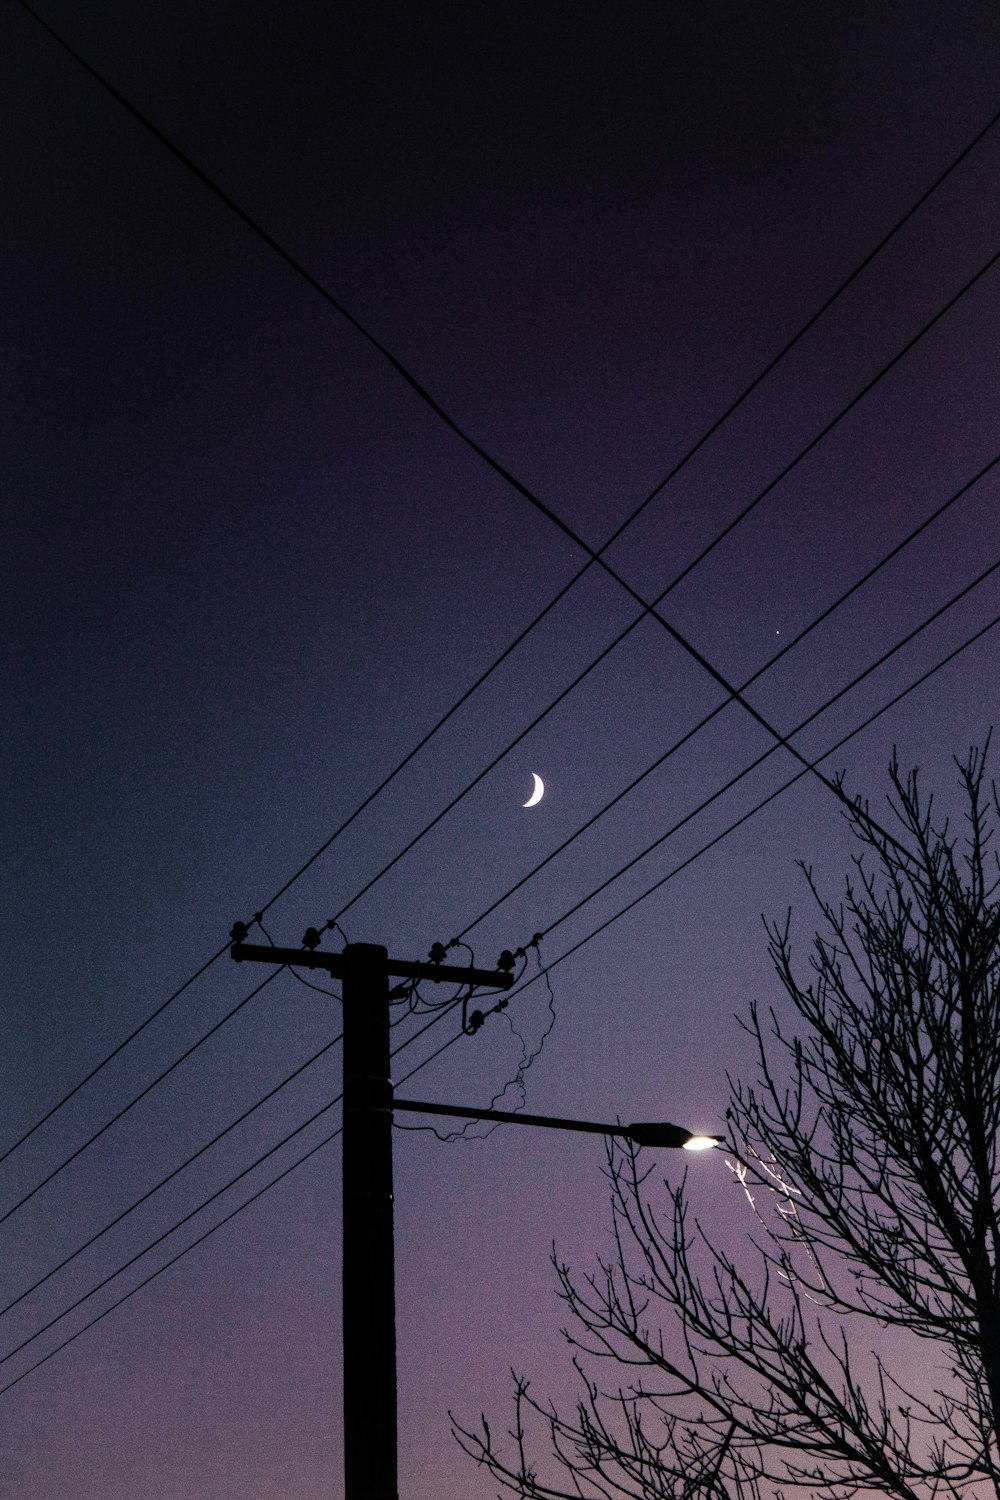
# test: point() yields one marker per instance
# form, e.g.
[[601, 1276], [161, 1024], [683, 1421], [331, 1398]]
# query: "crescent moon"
[[537, 794]]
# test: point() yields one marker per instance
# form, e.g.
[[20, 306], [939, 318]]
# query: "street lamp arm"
[[650, 1133]]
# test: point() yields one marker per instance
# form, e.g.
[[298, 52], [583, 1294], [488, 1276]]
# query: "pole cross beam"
[[337, 964]]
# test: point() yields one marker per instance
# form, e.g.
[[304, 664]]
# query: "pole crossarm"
[[336, 965]]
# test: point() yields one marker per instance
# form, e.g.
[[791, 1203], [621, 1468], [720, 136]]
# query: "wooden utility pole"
[[369, 1276], [368, 1281]]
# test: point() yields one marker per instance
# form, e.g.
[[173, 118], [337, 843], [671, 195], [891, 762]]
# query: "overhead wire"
[[855, 807], [705, 848], [719, 677], [771, 797], [842, 692], [178, 1224], [424, 395], [543, 971], [772, 661], [100, 1285], [561, 958], [71, 1093], [727, 786], [187, 1217], [170, 1176], [650, 608], [160, 1269], [444, 416], [733, 695], [594, 557], [142, 1094]]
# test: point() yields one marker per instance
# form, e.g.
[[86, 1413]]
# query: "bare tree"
[[867, 1147]]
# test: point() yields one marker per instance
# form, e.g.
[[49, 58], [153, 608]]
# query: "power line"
[[661, 759], [400, 368], [159, 1240], [160, 1269], [593, 557], [650, 609], [299, 269], [218, 1193], [803, 724], [924, 677], [832, 750], [760, 672], [698, 656], [134, 1101], [734, 695], [577, 906], [501, 470], [114, 1053], [730, 828], [180, 1223], [175, 1172]]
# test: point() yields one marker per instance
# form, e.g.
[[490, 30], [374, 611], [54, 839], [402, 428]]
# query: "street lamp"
[[360, 1288], [643, 1133]]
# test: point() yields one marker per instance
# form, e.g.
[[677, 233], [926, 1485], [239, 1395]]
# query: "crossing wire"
[[790, 645], [561, 958], [935, 514], [455, 427], [732, 695], [299, 269], [803, 724], [441, 1014], [717, 839]]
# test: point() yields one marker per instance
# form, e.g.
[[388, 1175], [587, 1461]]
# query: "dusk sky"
[[247, 569]]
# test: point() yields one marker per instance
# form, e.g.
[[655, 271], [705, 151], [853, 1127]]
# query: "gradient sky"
[[245, 570]]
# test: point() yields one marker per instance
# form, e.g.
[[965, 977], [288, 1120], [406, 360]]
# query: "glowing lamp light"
[[658, 1133]]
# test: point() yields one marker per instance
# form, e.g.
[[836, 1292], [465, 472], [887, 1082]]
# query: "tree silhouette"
[[867, 1147]]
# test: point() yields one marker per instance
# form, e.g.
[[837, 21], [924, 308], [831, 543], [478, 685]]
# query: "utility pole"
[[368, 1281], [368, 1284]]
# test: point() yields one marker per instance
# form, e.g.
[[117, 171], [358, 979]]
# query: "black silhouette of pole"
[[369, 1281]]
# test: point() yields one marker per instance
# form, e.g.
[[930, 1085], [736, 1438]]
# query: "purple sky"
[[246, 570]]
